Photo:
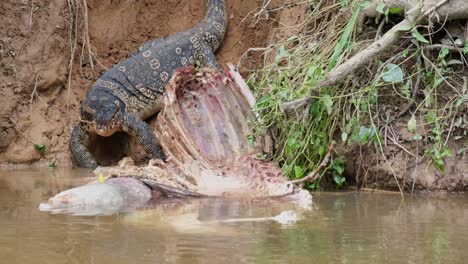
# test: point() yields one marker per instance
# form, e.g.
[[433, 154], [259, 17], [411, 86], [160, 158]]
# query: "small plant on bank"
[[362, 110], [41, 148]]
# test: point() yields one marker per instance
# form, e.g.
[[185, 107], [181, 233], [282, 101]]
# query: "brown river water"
[[341, 228]]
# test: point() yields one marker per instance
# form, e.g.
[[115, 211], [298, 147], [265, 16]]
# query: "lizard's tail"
[[216, 19]]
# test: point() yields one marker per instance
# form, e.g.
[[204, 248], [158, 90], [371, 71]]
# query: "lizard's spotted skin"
[[131, 91]]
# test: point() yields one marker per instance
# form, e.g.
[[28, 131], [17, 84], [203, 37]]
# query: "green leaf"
[[282, 52], [363, 106], [443, 53], [263, 101], [439, 164], [344, 136], [41, 148], [429, 99], [285, 168], [344, 3], [261, 156], [366, 4], [439, 81], [298, 172], [415, 33], [338, 179], [405, 28], [465, 48], [446, 152], [338, 165], [321, 150], [343, 42], [405, 53], [406, 90], [417, 137], [328, 102], [311, 71], [251, 140], [393, 74], [395, 10], [431, 116], [365, 134], [381, 8], [52, 164], [373, 97], [412, 124]]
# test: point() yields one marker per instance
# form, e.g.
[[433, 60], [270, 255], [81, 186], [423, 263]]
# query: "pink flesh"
[[203, 128]]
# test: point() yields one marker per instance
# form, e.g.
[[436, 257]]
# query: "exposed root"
[[31, 99], [78, 20]]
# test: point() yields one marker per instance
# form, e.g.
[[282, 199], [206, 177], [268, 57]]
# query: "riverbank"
[[50, 58]]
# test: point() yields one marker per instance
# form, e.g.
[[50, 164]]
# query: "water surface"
[[341, 228]]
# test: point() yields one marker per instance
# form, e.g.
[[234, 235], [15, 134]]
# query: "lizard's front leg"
[[208, 59], [80, 154], [142, 131]]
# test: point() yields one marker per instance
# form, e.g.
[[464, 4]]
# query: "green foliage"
[[52, 164], [345, 37], [412, 124], [405, 89], [348, 112], [415, 33], [338, 166], [386, 11], [393, 73], [405, 28], [282, 53], [41, 148], [302, 144], [438, 152]]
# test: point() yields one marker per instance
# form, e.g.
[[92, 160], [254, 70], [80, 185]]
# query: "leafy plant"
[[415, 33], [41, 148], [52, 164], [351, 111]]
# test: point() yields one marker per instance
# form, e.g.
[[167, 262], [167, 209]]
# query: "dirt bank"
[[39, 99], [36, 104]]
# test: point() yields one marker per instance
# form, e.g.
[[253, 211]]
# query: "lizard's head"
[[104, 113]]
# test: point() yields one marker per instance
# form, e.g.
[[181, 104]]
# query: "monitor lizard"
[[131, 91]]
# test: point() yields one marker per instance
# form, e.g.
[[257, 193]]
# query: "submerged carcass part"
[[112, 196]]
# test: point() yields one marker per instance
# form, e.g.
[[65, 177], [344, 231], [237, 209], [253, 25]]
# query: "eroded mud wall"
[[36, 104]]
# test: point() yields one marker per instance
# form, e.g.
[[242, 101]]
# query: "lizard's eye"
[[87, 113]]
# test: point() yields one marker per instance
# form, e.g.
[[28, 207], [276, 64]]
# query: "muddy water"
[[341, 228]]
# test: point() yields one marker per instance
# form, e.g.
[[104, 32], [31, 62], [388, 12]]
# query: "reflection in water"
[[342, 228]]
